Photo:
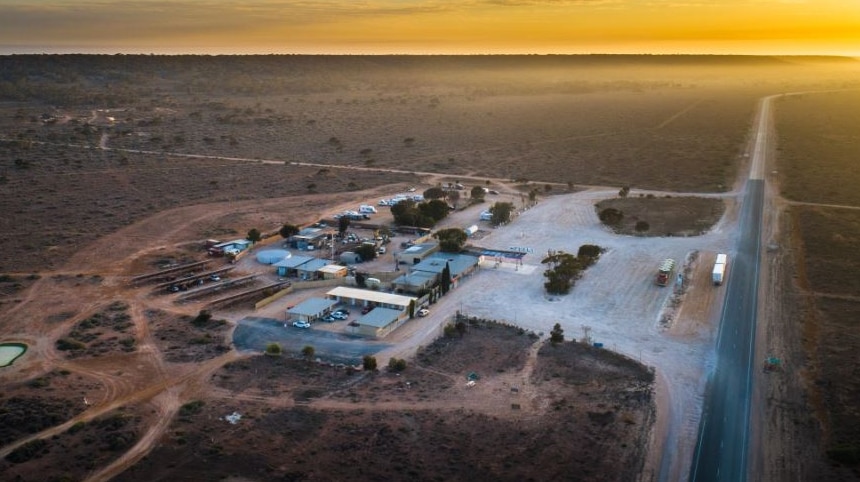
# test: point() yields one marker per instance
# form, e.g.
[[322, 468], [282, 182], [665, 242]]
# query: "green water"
[[10, 351]]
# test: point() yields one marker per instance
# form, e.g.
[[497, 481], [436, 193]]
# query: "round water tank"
[[272, 256]]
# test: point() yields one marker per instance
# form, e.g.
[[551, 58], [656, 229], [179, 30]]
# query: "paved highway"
[[723, 445]]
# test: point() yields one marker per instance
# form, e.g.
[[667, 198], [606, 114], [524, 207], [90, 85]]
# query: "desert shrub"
[[202, 318], [611, 216], [191, 408], [40, 382], [845, 454], [589, 251], [308, 352], [77, 427], [642, 226], [28, 451], [273, 349], [65, 344], [396, 364], [369, 363], [557, 334]]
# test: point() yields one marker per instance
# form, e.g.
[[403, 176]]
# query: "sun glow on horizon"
[[762, 27]]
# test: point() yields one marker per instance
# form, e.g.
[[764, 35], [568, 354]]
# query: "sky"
[[748, 27]]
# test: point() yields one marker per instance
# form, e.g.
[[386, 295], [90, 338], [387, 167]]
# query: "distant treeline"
[[119, 79]]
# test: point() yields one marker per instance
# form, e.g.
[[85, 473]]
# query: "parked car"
[[366, 310], [339, 316], [215, 277], [423, 312], [301, 324], [342, 311], [381, 250], [329, 318]]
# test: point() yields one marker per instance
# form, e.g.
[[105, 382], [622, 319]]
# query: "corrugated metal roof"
[[313, 265], [372, 296], [332, 268], [293, 261], [312, 307], [380, 317]]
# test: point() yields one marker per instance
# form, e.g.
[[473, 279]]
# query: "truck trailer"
[[664, 273], [719, 272]]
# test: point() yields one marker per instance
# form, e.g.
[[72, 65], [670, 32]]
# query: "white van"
[[367, 209]]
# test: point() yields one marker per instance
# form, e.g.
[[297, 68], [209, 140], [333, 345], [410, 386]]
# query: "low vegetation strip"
[[818, 147]]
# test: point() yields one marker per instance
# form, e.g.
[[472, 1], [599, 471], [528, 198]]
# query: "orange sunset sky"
[[431, 27]]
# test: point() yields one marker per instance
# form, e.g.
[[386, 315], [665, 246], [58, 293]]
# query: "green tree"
[[434, 193], [288, 230], [254, 235], [642, 226], [501, 212], [556, 335], [342, 224], [611, 216], [624, 191], [369, 363], [451, 240], [308, 352], [366, 251], [436, 209], [589, 251], [411, 308], [273, 349], [445, 280], [477, 194]]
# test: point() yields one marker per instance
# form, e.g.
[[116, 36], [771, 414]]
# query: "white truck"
[[719, 273]]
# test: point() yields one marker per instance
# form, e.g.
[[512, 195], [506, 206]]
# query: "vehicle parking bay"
[[255, 333]]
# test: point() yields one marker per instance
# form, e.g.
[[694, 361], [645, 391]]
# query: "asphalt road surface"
[[723, 445]]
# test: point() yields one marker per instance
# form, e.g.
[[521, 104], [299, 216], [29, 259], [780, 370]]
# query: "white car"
[[301, 324], [423, 312]]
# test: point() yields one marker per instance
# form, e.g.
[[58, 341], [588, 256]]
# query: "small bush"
[[369, 363], [273, 349], [65, 344], [191, 408], [396, 364]]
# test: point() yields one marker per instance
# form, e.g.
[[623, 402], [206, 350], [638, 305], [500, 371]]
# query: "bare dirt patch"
[[591, 416], [185, 338]]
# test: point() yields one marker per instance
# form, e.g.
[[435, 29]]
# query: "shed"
[[289, 266], [309, 270], [360, 297], [311, 309], [350, 257], [416, 253], [414, 282], [458, 264], [380, 322], [332, 271]]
